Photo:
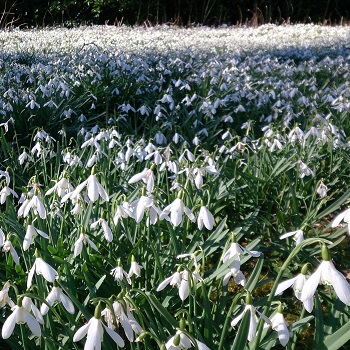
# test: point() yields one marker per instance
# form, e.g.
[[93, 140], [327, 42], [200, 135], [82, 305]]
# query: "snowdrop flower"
[[93, 331], [344, 216], [237, 250], [5, 192], [8, 247], [253, 321], [198, 180], [31, 233], [6, 175], [236, 273], [146, 176], [327, 274], [180, 279], [322, 190], [40, 267], [297, 283], [94, 189], [4, 296], [196, 141], [62, 187], [135, 268], [20, 316], [297, 235], [119, 273], [124, 317], [160, 138], [57, 296], [24, 156], [35, 204], [108, 235], [123, 210], [78, 245], [30, 306], [189, 155], [176, 208], [181, 341], [281, 326], [206, 218], [140, 205], [304, 170]]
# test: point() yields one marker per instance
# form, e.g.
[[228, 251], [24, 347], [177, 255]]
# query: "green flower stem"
[[294, 252]]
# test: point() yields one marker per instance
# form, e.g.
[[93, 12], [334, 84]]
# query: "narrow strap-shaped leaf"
[[162, 310], [254, 277], [319, 326], [242, 334], [338, 339]]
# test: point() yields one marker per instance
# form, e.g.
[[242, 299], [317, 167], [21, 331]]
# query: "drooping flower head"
[[327, 274], [253, 320], [297, 283], [94, 330], [20, 315]]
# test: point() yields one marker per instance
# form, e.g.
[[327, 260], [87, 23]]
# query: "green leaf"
[[319, 326], [242, 334], [338, 338], [162, 310], [254, 277]]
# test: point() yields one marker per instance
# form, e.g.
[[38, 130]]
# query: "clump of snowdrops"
[[177, 202]]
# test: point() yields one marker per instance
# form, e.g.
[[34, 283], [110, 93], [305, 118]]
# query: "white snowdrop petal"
[[115, 336], [9, 325], [284, 285], [33, 324]]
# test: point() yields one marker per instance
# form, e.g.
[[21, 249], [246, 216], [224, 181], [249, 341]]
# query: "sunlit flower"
[[31, 233], [40, 267], [297, 283], [181, 341], [123, 210], [236, 273], [119, 273], [237, 250], [281, 327], [62, 187], [343, 216], [206, 218], [20, 316], [83, 239], [124, 317], [5, 192], [57, 296], [297, 235], [253, 319], [146, 176], [35, 203], [176, 208], [327, 274], [135, 268], [8, 247], [180, 279], [4, 296], [93, 331], [94, 189], [140, 205], [108, 235], [28, 304]]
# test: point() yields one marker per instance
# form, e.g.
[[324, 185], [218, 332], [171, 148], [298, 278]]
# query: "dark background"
[[41, 13]]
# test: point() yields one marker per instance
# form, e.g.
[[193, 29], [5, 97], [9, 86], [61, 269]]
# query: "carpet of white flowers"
[[172, 188]]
